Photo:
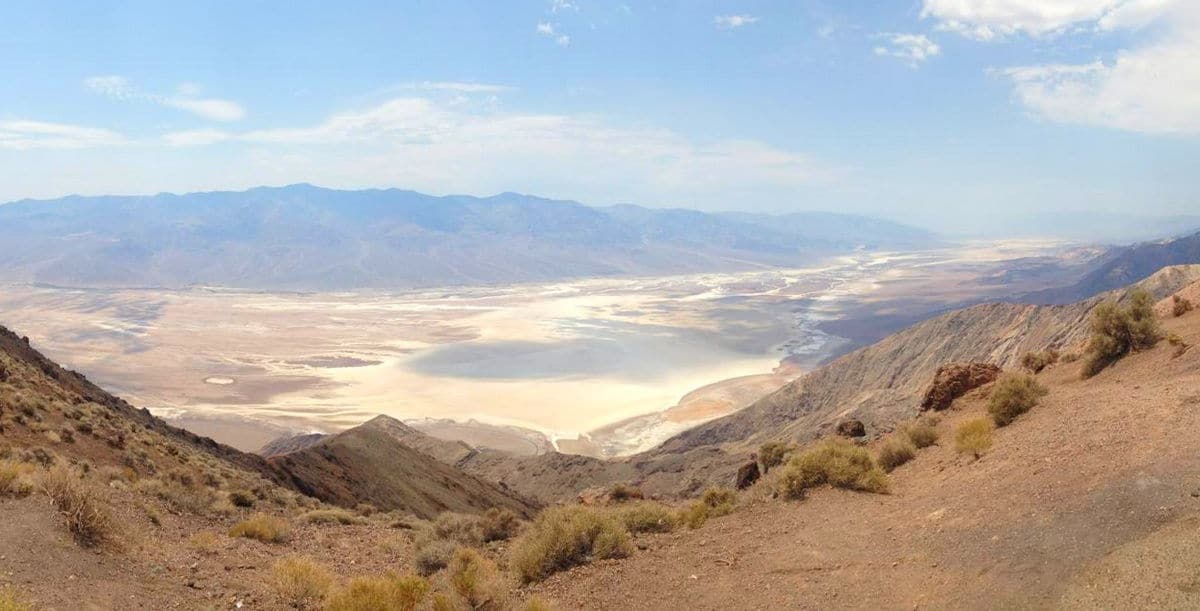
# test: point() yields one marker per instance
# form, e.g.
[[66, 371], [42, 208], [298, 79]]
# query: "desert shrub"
[[9, 601], [1117, 331], [772, 453], [366, 509], [499, 524], [242, 498], [895, 451], [178, 495], [836, 462], [563, 537], [1035, 362], [390, 592], [301, 582], [1180, 305], [476, 580], [647, 517], [433, 555], [974, 436], [921, 434], [720, 500], [694, 515], [204, 541], [1178, 344], [80, 504], [329, 516], [16, 478], [262, 527], [1013, 395], [459, 527], [621, 493]]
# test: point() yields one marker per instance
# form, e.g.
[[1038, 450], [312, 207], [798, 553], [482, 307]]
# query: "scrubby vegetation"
[[693, 515], [974, 436], [80, 504], [895, 451], [647, 517], [720, 501], [329, 516], [499, 524], [621, 493], [204, 541], [262, 527], [1035, 362], [433, 555], [391, 592], [562, 537], [1117, 331], [476, 580], [301, 582], [921, 433], [836, 462], [9, 601], [1180, 305], [773, 453], [16, 478], [1013, 395]]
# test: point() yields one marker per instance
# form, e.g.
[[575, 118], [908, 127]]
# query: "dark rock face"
[[747, 474], [851, 428], [953, 380]]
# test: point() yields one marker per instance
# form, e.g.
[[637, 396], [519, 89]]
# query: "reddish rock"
[[954, 380], [851, 428]]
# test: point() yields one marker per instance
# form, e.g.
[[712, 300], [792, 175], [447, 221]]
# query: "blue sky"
[[947, 113]]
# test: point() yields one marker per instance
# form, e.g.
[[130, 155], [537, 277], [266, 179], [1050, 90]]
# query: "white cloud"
[[995, 19], [455, 86], [1154, 88], [912, 48], [119, 88], [729, 22], [563, 5], [28, 135], [549, 29]]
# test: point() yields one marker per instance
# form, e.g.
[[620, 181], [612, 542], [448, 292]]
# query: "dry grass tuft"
[[693, 515], [9, 601], [16, 478], [499, 524], [621, 493], [836, 462], [647, 517], [262, 527], [330, 516], [1013, 395], [81, 506], [895, 451], [773, 453], [301, 582], [388, 592], [1035, 362], [476, 580], [921, 433], [1180, 305], [974, 436], [720, 501], [205, 541], [433, 555], [460, 528], [563, 537]]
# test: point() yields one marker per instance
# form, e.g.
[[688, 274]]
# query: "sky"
[[944, 113]]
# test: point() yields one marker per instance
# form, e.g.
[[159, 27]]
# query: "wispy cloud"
[[911, 48], [456, 86], [729, 22], [998, 19], [187, 99], [28, 135], [549, 29], [557, 6]]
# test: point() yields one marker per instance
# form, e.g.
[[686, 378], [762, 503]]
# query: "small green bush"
[[921, 433], [1180, 305], [772, 454], [974, 436], [1117, 331], [476, 580], [837, 462], [895, 451], [563, 537], [433, 555], [621, 493], [694, 515], [1012, 395], [720, 500], [242, 498], [647, 517], [1035, 362]]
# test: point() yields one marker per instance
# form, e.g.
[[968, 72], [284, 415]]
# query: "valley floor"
[[1091, 500]]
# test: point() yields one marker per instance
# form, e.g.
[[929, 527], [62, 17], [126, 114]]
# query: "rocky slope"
[[1126, 266]]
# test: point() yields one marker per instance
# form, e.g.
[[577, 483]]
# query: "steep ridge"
[[372, 463], [1129, 265], [879, 384]]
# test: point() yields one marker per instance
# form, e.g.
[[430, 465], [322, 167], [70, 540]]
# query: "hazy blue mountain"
[[306, 238], [1122, 267]]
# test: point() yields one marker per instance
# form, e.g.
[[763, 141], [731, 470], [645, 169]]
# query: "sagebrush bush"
[[895, 451], [204, 541], [330, 516], [499, 524], [647, 517], [720, 500], [16, 478], [974, 436], [476, 580], [301, 582], [921, 433], [563, 537], [837, 462], [1012, 395], [242, 498], [80, 504], [1117, 331], [772, 454], [693, 515], [388, 592], [262, 527], [433, 555], [1180, 305], [1035, 362], [459, 527], [179, 496]]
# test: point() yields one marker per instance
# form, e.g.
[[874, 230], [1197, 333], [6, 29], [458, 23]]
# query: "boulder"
[[954, 380], [851, 428], [747, 474]]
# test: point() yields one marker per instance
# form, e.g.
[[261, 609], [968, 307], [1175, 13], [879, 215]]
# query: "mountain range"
[[303, 237]]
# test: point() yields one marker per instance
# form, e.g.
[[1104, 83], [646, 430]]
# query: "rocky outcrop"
[[953, 380]]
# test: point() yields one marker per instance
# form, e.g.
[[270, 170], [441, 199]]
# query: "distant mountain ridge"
[[1124, 266], [303, 237]]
